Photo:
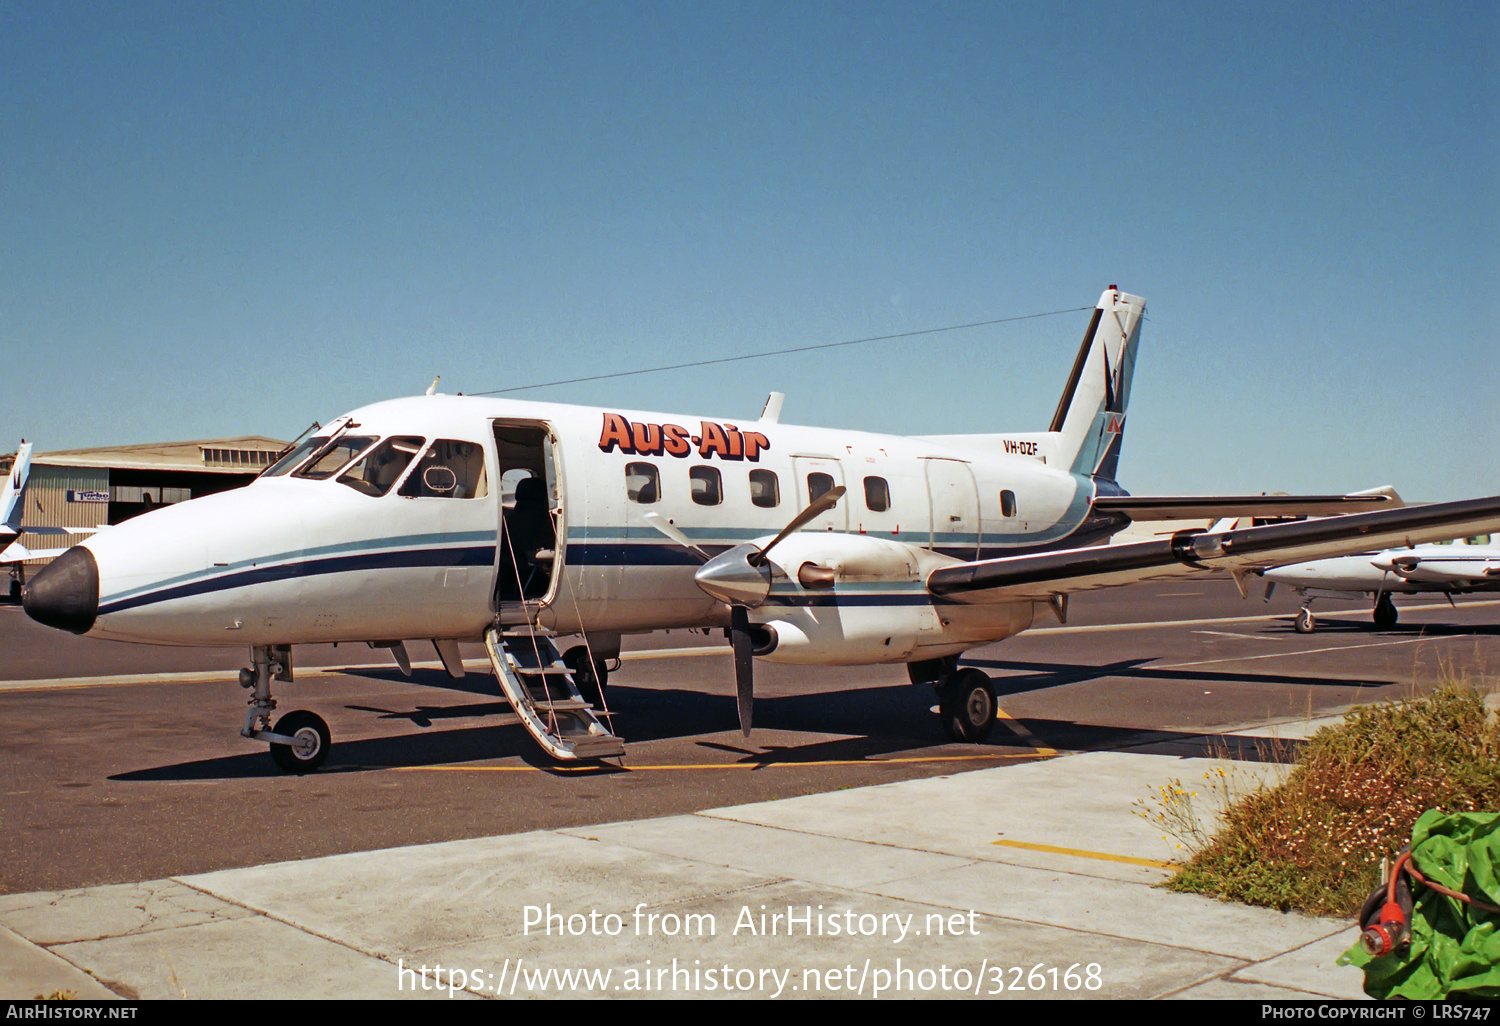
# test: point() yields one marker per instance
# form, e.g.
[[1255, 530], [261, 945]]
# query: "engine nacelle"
[[849, 599]]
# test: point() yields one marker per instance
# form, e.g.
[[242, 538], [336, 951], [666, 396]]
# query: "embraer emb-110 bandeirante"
[[454, 518]]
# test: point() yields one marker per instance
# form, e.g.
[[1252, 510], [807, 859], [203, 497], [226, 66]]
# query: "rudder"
[[1089, 425]]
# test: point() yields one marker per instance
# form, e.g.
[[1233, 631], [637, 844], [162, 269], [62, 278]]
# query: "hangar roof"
[[241, 455]]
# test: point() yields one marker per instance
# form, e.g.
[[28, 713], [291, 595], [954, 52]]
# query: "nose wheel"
[[309, 745]]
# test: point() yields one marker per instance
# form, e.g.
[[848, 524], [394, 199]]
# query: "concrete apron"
[[1030, 880]]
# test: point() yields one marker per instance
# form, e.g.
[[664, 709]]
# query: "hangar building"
[[94, 487]]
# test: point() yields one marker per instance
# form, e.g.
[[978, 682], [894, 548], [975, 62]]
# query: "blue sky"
[[237, 218]]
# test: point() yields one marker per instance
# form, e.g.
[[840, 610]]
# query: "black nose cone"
[[65, 594]]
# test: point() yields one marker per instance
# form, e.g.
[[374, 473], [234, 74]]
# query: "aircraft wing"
[[1215, 507], [1042, 575]]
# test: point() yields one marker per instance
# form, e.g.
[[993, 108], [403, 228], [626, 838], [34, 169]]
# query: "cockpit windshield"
[[336, 456], [288, 463], [382, 466]]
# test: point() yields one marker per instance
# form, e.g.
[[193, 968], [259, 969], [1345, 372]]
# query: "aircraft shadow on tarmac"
[[1038, 676], [869, 724], [1344, 625]]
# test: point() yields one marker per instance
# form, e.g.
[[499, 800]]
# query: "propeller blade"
[[661, 523], [822, 504], [744, 664]]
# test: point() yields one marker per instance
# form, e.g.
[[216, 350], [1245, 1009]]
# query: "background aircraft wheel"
[[968, 705], [1304, 623], [15, 591], [1385, 613], [592, 677], [313, 737]]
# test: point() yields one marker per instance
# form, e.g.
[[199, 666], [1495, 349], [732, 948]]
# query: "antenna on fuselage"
[[432, 388], [771, 412]]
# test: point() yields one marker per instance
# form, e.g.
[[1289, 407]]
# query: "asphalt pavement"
[[1035, 879]]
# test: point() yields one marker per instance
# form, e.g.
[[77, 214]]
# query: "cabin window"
[[708, 488], [817, 485], [449, 469], [1007, 503], [877, 494], [333, 459], [642, 482], [380, 468], [289, 462], [765, 489]]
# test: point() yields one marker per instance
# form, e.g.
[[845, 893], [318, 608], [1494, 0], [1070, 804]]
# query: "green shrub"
[[1315, 842]]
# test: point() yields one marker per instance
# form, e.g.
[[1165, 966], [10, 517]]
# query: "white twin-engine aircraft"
[[458, 519], [1449, 570]]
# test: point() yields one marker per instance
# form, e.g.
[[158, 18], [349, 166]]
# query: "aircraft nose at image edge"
[[65, 593]]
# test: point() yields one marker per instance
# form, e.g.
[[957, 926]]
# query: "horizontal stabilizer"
[[1215, 507], [15, 552], [1042, 575]]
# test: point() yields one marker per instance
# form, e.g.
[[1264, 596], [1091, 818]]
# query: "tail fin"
[[1089, 425], [12, 495]]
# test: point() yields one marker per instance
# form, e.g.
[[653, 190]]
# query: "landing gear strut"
[[591, 675], [1304, 623], [300, 742], [1385, 612]]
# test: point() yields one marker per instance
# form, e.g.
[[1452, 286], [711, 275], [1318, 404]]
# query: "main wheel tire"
[[591, 676], [968, 705], [1304, 623], [313, 740], [1385, 613]]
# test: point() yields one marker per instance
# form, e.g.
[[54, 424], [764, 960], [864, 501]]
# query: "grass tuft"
[[1315, 842]]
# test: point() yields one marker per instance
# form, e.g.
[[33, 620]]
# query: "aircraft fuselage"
[[297, 558]]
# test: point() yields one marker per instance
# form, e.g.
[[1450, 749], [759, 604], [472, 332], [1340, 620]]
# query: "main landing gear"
[[1385, 615], [966, 698], [300, 742], [1385, 612], [591, 675]]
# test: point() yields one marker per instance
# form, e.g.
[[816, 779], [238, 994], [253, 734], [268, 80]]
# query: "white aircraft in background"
[[1450, 569], [13, 555], [808, 545]]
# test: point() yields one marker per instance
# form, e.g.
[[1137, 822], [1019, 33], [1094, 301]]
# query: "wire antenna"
[[780, 352]]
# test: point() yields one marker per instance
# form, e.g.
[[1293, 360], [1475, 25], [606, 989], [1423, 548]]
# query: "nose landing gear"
[[300, 742]]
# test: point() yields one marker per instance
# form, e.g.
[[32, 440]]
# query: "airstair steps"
[[541, 689]]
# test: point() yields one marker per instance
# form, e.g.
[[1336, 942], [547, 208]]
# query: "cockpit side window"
[[380, 468], [289, 462], [449, 469], [338, 454]]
